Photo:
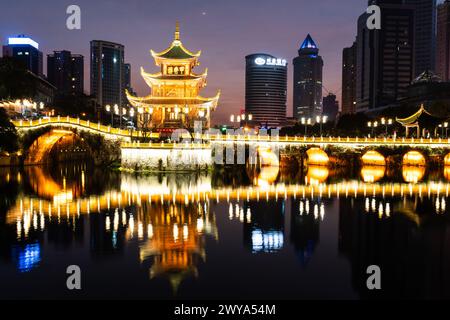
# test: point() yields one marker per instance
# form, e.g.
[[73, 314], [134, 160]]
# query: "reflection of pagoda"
[[174, 101], [176, 239]]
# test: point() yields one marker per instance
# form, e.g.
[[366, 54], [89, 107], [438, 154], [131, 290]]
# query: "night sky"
[[225, 31]]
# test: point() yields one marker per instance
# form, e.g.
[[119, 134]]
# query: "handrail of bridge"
[[108, 130], [163, 145], [86, 124]]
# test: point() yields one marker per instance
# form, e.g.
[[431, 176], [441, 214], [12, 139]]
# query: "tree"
[[8, 133], [16, 82]]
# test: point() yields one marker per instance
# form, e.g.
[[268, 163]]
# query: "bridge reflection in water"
[[171, 218]]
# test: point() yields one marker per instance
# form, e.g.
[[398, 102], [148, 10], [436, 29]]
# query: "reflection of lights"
[[267, 241], [371, 174], [317, 174], [200, 225], [140, 231], [413, 174], [267, 176], [27, 257], [185, 232], [175, 232]]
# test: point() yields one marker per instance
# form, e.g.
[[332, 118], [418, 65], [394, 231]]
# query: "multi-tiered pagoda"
[[174, 101]]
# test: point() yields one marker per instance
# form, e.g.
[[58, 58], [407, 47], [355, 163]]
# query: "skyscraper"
[[330, 107], [308, 68], [266, 89], [66, 72], [425, 35], [349, 80], [443, 41], [385, 57], [25, 50], [107, 73]]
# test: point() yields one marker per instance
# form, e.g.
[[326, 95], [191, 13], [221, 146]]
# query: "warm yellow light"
[[371, 174], [413, 174], [373, 158], [317, 174], [414, 158], [268, 157], [317, 156]]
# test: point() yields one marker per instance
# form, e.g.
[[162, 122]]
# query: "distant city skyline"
[[225, 32]]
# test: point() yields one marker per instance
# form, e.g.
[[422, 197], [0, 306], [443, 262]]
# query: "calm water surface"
[[224, 235]]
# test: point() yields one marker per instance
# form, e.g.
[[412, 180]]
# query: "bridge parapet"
[[76, 123]]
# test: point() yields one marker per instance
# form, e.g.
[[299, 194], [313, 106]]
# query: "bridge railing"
[[108, 130], [85, 124], [163, 145]]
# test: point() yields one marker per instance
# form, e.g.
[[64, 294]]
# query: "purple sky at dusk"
[[225, 31]]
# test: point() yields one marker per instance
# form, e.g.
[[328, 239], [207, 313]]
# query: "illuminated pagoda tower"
[[174, 101]]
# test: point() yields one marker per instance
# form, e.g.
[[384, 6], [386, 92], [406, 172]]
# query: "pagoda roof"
[[422, 118], [151, 78], [166, 101], [176, 50]]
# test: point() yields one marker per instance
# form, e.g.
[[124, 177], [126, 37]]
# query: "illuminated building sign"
[[19, 40], [261, 61]]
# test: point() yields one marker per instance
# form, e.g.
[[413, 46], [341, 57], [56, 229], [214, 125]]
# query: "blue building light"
[[23, 41]]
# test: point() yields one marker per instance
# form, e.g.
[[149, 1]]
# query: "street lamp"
[[386, 122], [306, 122], [321, 120], [372, 125]]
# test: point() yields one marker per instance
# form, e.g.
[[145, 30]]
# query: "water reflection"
[[165, 226]]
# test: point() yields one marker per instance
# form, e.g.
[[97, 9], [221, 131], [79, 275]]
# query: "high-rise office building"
[[349, 80], [385, 57], [25, 50], [66, 72], [425, 35], [266, 89], [127, 74], [330, 107], [107, 73], [443, 41], [308, 68]]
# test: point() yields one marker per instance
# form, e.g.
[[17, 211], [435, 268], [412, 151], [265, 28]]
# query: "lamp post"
[[321, 120], [306, 122], [372, 125], [108, 109], [386, 122]]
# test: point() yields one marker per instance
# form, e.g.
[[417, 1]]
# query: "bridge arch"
[[317, 156], [41, 149], [414, 158], [447, 160], [373, 158]]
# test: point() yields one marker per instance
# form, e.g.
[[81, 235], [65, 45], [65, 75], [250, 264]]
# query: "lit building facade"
[[425, 35], [107, 73], [349, 80], [66, 72], [308, 68], [174, 101], [266, 89], [443, 41], [25, 50], [385, 57]]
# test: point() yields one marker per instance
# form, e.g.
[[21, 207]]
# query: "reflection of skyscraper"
[[264, 226], [410, 246], [308, 80], [305, 232]]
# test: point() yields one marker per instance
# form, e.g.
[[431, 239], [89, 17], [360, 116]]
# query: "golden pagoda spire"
[[177, 31]]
